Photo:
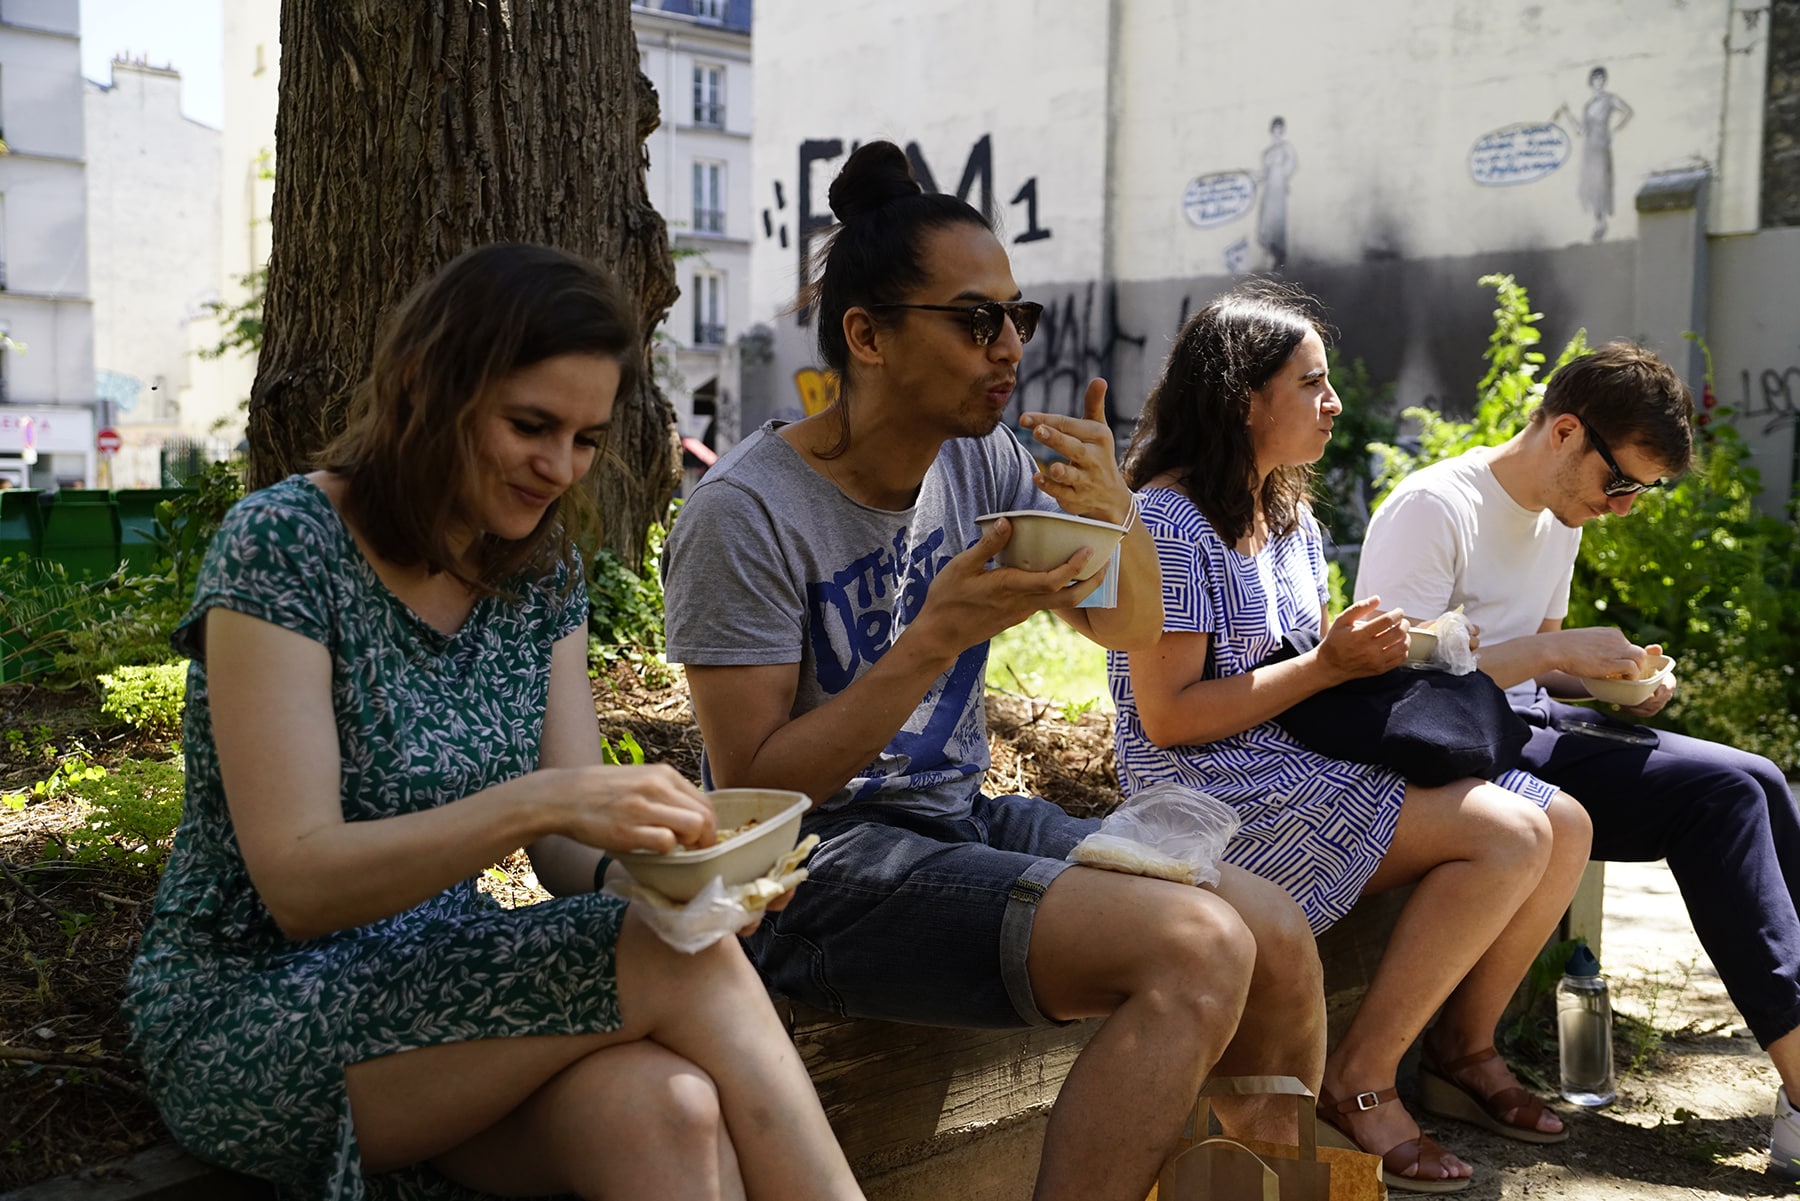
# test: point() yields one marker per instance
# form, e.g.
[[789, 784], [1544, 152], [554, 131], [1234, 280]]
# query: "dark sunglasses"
[[1620, 484], [985, 318]]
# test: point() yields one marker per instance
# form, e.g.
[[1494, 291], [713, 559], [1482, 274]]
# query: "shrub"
[[626, 614], [146, 698], [1695, 566], [131, 811]]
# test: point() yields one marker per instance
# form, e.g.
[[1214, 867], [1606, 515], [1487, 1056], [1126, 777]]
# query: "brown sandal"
[[1416, 1154], [1512, 1112]]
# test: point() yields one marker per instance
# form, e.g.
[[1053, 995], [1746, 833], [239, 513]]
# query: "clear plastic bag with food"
[[1168, 831], [717, 909]]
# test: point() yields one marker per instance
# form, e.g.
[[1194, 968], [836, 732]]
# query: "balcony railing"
[[708, 335], [710, 115], [709, 221]]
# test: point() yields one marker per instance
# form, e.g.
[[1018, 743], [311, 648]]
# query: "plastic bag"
[[1452, 652], [716, 910], [1167, 831]]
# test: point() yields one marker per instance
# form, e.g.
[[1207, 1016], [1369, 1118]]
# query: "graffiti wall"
[[1141, 156]]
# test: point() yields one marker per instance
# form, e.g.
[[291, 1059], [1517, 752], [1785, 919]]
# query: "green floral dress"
[[245, 1034]]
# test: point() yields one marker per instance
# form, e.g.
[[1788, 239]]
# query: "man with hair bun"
[[1496, 531], [828, 590]]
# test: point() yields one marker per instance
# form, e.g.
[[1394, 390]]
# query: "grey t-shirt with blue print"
[[770, 563]]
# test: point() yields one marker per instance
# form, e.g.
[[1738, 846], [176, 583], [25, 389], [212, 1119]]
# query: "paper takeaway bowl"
[[739, 859], [1656, 669], [1043, 540], [1420, 643]]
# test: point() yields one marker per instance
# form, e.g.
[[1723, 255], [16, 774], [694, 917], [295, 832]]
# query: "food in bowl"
[[756, 828], [1042, 540], [1651, 674]]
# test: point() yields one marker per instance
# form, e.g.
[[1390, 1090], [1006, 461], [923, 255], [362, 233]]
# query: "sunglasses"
[[985, 318], [1620, 484]]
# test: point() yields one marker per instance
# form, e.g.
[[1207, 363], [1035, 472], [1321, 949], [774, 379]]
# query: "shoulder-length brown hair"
[[410, 448], [1196, 424]]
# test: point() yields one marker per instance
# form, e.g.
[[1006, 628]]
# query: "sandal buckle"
[[1366, 1101]]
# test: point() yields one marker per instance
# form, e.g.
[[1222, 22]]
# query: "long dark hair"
[[410, 447], [872, 256], [1196, 424]]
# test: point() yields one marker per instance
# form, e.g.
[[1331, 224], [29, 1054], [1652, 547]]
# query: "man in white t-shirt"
[[1496, 531]]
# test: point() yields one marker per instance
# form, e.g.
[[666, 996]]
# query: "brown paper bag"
[[1200, 1168]]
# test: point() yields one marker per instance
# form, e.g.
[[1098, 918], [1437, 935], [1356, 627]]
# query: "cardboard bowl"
[[1043, 540], [680, 875], [1420, 643], [1632, 692]]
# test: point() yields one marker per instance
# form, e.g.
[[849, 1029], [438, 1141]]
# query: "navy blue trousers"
[[1728, 826]]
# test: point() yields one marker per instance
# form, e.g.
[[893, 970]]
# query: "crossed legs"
[[700, 1094], [1170, 968]]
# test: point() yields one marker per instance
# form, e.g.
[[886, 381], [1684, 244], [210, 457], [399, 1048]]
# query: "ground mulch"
[[71, 1095]]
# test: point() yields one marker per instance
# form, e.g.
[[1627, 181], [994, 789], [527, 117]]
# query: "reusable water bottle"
[[1584, 1031]]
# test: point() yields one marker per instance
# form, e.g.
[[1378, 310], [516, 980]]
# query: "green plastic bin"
[[21, 523], [137, 524], [81, 531]]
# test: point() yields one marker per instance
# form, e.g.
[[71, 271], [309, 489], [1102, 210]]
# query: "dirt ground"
[[1695, 1091], [1691, 1120]]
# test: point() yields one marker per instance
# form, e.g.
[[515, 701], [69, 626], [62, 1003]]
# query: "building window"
[[709, 197], [709, 96], [710, 10], [709, 308]]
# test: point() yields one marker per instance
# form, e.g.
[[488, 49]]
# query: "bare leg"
[[1476, 853], [1282, 1031], [708, 1009], [1785, 1051], [1170, 966], [664, 1132], [1467, 1022]]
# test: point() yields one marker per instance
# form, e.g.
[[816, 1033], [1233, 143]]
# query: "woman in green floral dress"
[[388, 693]]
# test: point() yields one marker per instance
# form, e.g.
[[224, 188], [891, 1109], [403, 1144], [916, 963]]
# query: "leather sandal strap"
[[1466, 1061], [1360, 1103], [1412, 1154]]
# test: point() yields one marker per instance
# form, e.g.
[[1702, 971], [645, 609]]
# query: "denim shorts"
[[918, 918]]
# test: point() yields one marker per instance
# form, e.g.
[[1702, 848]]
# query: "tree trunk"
[[407, 133]]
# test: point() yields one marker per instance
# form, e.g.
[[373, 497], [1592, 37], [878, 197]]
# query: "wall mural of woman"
[[1278, 166], [1595, 127]]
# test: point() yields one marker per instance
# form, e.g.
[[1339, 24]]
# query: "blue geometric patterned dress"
[[1318, 827], [245, 1034]]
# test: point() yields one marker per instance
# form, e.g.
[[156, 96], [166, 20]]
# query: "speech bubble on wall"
[[1518, 154], [1215, 199]]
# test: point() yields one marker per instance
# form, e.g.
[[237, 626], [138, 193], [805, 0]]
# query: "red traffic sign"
[[107, 441]]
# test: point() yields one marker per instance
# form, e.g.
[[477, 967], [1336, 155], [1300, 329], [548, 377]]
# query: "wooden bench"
[[924, 1113]]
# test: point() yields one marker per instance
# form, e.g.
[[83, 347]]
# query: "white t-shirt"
[[1450, 535]]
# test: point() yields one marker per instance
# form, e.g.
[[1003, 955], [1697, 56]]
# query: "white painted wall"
[[153, 249], [1384, 105], [43, 208], [669, 47]]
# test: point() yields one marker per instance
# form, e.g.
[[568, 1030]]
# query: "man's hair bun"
[[877, 174]]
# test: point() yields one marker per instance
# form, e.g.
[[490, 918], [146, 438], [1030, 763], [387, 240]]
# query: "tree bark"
[[408, 132]]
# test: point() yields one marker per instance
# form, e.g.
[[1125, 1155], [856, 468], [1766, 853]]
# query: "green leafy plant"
[[1504, 397], [625, 618], [1346, 472], [626, 752], [132, 813], [146, 698], [1695, 567], [1043, 658]]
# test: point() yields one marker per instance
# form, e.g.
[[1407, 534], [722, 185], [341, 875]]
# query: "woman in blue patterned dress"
[[1221, 462], [388, 693]]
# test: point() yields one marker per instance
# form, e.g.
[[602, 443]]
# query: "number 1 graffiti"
[[977, 181]]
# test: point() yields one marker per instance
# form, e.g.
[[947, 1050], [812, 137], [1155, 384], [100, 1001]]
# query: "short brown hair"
[[410, 447], [1631, 398]]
